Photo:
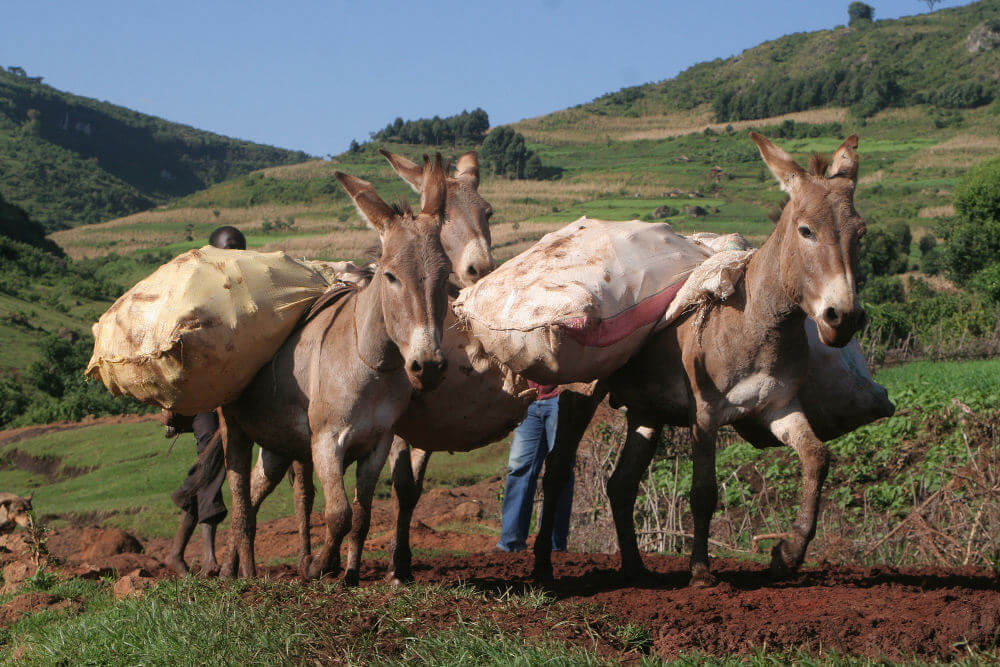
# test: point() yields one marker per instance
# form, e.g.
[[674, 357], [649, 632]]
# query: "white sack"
[[576, 305]]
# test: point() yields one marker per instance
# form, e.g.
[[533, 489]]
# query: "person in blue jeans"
[[533, 440]]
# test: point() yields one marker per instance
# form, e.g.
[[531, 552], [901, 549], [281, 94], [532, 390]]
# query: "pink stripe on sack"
[[593, 332]]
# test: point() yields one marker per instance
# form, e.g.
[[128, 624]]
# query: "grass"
[[129, 473], [187, 621]]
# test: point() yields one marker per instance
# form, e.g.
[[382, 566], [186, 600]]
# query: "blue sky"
[[312, 75]]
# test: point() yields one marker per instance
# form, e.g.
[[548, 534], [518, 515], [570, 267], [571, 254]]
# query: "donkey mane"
[[818, 165]]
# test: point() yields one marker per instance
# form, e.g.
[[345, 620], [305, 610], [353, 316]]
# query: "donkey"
[[333, 392], [743, 361], [473, 408], [465, 236], [466, 232]]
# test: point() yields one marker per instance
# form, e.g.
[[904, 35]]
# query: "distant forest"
[[468, 127]]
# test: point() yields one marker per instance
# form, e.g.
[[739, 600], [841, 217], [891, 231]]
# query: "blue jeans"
[[533, 440]]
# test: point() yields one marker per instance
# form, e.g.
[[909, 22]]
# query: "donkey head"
[[818, 236], [466, 232], [412, 271]]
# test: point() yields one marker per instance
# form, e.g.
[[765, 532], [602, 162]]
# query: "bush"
[[987, 282], [883, 289], [884, 251], [967, 95], [505, 152], [859, 14], [972, 240], [12, 400]]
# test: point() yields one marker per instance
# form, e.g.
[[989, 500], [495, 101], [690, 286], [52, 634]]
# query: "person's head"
[[228, 238]]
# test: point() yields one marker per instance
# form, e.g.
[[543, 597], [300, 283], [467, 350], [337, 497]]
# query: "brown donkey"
[[465, 236], [335, 389], [744, 362], [466, 231]]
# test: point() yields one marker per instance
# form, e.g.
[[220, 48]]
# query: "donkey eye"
[[806, 232], [489, 213], [391, 278]]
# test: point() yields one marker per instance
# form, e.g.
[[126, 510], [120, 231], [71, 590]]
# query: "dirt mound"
[[883, 612], [29, 603], [876, 612]]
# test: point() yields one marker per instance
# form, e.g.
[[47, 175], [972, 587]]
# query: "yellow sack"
[[193, 334]]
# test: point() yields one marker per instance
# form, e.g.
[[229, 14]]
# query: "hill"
[[68, 159], [868, 66]]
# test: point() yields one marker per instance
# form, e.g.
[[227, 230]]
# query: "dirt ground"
[[878, 612]]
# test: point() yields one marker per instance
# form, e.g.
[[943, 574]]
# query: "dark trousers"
[[201, 492]]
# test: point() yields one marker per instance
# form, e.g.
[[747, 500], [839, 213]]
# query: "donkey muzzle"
[[837, 327], [427, 373]]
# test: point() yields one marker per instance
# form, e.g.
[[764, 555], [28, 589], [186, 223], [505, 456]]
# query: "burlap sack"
[[193, 334], [839, 394], [576, 305]]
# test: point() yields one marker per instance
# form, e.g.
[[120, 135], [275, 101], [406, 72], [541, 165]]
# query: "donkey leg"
[[575, 412], [368, 472], [337, 513], [793, 429], [405, 495], [704, 497], [242, 527], [305, 493], [623, 486], [266, 475]]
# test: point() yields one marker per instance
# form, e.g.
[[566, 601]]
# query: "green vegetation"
[[68, 159], [879, 473], [468, 127], [123, 474], [893, 62], [505, 153], [972, 253], [17, 226]]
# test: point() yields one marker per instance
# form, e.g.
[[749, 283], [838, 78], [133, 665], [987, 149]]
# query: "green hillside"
[[68, 159], [869, 66], [660, 156]]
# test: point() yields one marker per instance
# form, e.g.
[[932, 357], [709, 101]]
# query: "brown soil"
[[878, 612]]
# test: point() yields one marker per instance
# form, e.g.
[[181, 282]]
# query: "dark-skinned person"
[[200, 495]]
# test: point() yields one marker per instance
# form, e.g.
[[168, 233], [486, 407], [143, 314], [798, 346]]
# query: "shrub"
[[882, 289], [972, 239], [968, 95], [505, 153], [987, 282], [884, 251], [859, 14]]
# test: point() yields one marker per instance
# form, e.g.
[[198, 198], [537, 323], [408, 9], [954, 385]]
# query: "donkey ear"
[[782, 165], [369, 204], [845, 160], [408, 171], [467, 167], [434, 194]]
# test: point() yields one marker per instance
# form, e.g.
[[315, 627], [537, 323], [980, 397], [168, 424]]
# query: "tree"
[[972, 239], [859, 14], [930, 4]]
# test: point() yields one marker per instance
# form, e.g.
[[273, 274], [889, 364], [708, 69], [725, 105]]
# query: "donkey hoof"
[[351, 578], [399, 579], [303, 568], [543, 573], [635, 575], [701, 577], [782, 566]]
